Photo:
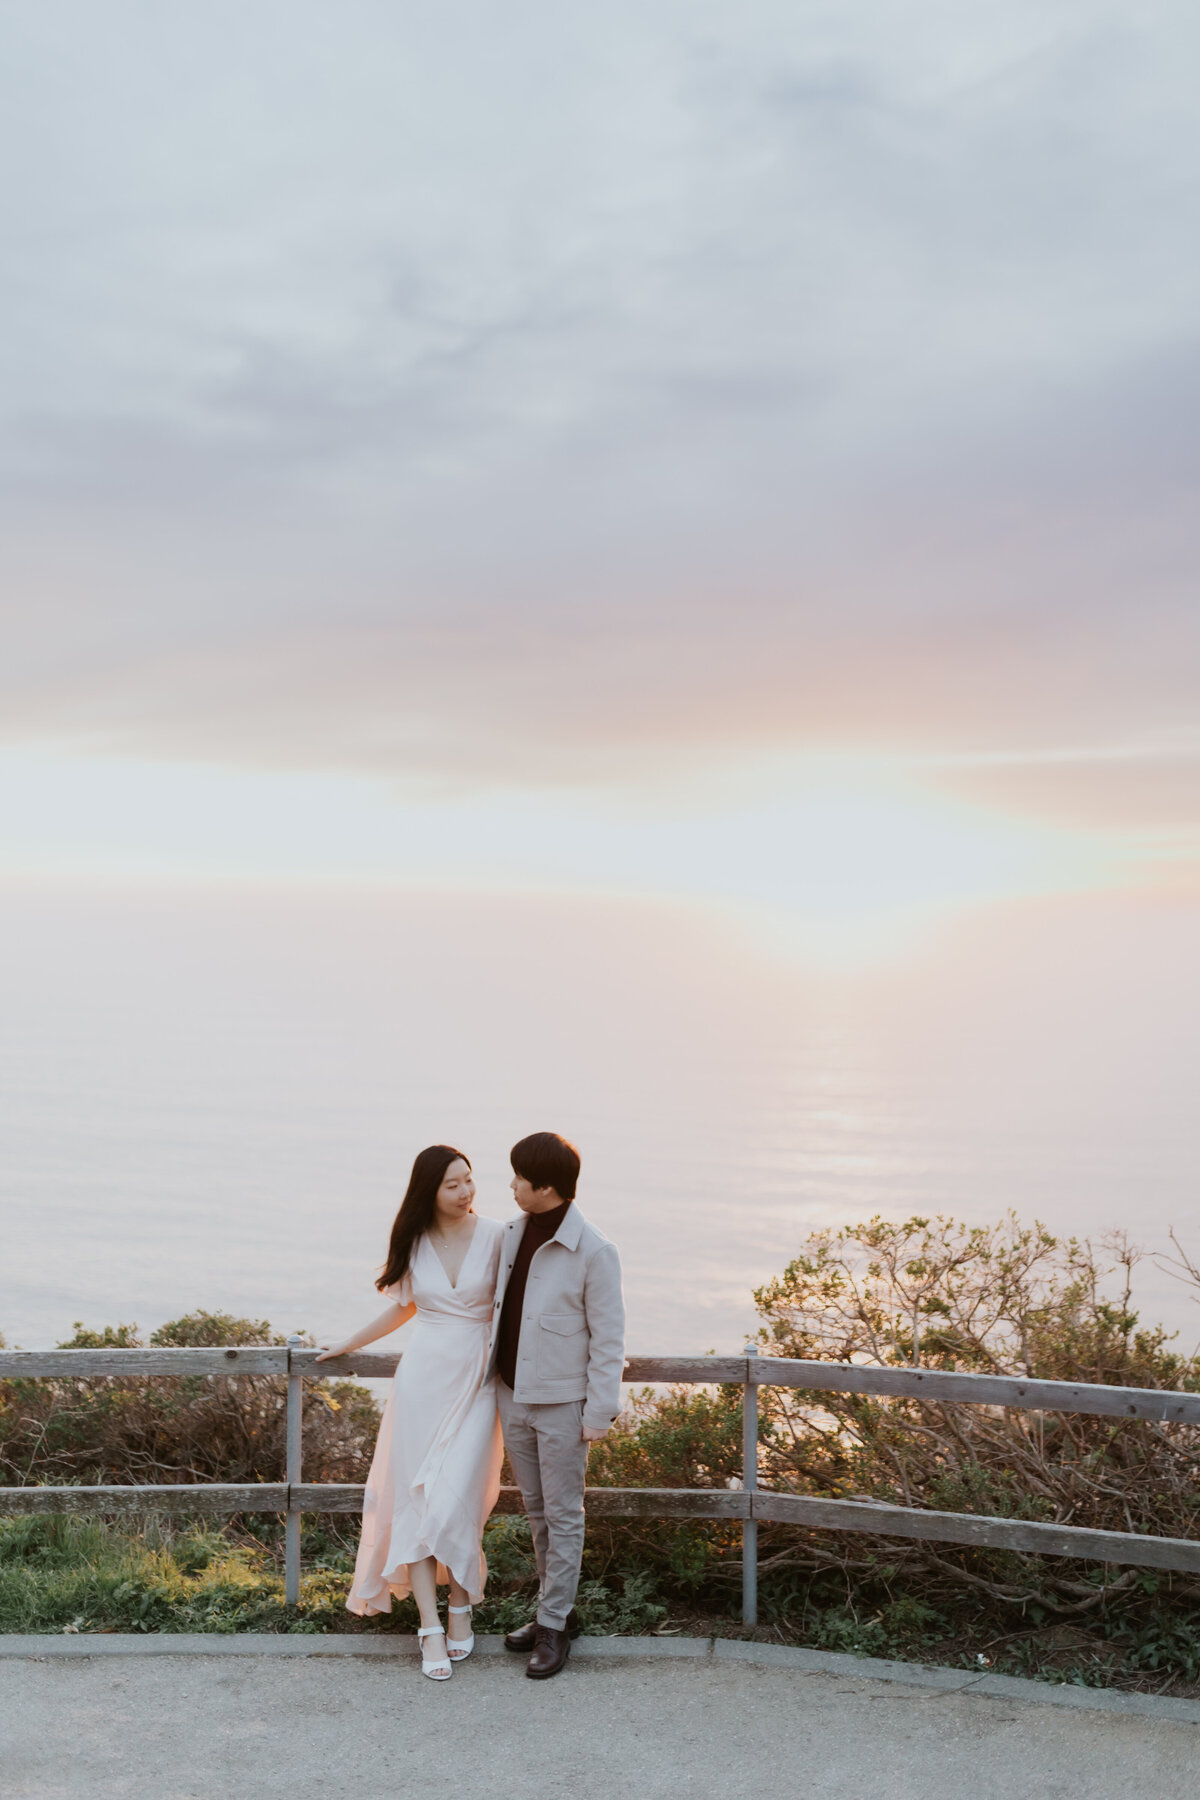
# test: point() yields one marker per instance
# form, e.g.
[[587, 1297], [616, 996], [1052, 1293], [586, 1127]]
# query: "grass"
[[80, 1574], [63, 1573]]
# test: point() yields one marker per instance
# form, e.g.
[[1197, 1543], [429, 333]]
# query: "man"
[[558, 1348]]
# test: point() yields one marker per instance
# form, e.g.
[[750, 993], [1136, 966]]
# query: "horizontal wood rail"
[[70, 1365], [979, 1531], [1016, 1392], [746, 1504], [175, 1497], [347, 1497], [813, 1513]]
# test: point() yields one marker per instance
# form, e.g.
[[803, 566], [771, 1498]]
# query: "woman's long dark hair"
[[417, 1209]]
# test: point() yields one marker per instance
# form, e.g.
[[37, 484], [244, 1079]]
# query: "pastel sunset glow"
[[829, 858]]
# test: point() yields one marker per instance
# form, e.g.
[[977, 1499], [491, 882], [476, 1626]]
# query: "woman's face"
[[456, 1196]]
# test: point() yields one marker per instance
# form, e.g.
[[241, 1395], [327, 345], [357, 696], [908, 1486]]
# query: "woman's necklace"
[[443, 1238]]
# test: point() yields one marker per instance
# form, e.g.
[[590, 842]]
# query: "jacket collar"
[[571, 1229], [568, 1233]]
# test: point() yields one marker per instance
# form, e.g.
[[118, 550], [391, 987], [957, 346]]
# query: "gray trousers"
[[549, 1458]]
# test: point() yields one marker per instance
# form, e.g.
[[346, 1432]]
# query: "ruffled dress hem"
[[393, 1587]]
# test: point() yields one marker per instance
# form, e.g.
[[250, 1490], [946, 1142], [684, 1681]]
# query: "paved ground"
[[255, 1727]]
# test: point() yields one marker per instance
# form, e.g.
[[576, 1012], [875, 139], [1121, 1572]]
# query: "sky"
[[743, 455]]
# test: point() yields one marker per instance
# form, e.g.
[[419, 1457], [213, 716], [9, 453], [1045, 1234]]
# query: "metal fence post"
[[295, 1420], [750, 1484]]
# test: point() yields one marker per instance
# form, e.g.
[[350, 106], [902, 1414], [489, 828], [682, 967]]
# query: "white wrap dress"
[[435, 1474]]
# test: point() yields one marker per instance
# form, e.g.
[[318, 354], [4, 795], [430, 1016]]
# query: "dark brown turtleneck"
[[539, 1229]]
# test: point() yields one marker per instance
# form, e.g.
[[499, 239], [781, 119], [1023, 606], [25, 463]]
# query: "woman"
[[436, 1469]]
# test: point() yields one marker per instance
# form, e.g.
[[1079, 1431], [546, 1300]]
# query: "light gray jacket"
[[573, 1327]]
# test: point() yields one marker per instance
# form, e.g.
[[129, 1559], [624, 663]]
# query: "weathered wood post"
[[295, 1421], [750, 1484]]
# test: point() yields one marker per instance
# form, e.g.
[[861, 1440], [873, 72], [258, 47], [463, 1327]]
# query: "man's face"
[[531, 1199]]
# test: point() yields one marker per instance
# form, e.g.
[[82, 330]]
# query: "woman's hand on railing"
[[394, 1315]]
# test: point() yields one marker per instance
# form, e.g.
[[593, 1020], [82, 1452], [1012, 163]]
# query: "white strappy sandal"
[[440, 1669], [458, 1649]]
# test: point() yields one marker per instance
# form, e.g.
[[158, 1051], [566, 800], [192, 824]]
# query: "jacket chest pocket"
[[562, 1346]]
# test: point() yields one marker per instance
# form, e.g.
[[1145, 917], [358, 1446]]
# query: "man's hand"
[[593, 1433]]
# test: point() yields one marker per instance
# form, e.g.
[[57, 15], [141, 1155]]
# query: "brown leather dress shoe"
[[550, 1653], [523, 1640]]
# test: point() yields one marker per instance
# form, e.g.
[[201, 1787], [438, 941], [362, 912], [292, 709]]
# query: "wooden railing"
[[750, 1371]]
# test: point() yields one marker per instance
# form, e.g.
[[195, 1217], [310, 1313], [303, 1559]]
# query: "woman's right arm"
[[388, 1321]]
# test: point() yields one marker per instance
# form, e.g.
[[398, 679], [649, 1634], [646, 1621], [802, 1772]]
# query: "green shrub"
[[131, 1429], [1005, 1299]]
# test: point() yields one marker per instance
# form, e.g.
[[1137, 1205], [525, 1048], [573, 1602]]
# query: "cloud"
[[544, 403], [1148, 792]]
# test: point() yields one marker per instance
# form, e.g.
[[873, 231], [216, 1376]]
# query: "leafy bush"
[[679, 1437], [131, 1429], [998, 1300]]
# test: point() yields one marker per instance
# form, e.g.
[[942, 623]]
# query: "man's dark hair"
[[547, 1160]]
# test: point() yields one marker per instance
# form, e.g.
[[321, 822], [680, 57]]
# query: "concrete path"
[[613, 1726]]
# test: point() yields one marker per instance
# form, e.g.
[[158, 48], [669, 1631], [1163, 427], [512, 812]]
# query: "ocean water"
[[211, 1099]]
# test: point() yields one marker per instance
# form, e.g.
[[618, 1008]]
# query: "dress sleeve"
[[401, 1291]]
